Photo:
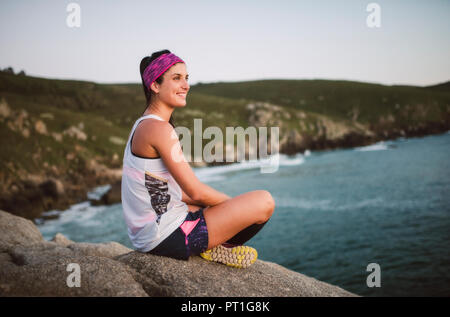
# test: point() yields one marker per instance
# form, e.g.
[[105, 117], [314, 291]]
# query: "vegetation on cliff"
[[61, 138]]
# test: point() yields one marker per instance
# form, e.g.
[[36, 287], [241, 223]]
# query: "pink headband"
[[158, 66]]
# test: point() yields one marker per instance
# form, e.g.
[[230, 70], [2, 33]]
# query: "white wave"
[[51, 213], [371, 202], [98, 192], [374, 147], [307, 153], [325, 205], [212, 178], [293, 202], [286, 161], [81, 213], [84, 205], [211, 173]]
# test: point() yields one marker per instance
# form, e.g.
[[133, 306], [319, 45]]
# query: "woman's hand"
[[194, 208], [189, 201]]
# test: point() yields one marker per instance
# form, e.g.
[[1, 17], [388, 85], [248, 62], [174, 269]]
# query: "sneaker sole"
[[238, 257]]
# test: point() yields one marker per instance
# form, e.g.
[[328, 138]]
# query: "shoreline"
[[46, 198]]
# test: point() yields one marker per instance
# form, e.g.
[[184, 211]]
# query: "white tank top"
[[151, 198]]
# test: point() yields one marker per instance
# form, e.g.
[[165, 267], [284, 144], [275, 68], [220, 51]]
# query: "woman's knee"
[[268, 205]]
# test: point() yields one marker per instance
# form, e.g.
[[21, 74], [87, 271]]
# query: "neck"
[[162, 111]]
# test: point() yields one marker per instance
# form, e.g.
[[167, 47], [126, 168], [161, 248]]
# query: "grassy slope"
[[110, 110], [336, 99]]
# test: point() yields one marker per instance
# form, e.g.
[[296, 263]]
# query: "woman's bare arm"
[[188, 200], [164, 139]]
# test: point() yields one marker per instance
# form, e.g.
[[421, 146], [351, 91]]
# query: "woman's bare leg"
[[232, 216]]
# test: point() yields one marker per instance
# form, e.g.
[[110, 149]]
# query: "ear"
[[155, 87]]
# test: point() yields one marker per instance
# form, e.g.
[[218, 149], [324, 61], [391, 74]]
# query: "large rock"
[[108, 250], [17, 231], [198, 277], [34, 195], [37, 271], [31, 266]]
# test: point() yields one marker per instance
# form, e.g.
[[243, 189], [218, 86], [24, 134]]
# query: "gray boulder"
[[31, 266], [198, 277], [32, 272], [17, 231]]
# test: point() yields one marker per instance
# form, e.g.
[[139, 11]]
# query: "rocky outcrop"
[[112, 196], [198, 277], [33, 195], [62, 184], [300, 130], [32, 266], [30, 195]]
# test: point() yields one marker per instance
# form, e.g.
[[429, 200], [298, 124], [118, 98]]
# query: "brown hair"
[[148, 92]]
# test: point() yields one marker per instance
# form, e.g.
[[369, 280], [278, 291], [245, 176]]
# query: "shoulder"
[[156, 130]]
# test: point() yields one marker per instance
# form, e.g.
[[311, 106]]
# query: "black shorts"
[[191, 238]]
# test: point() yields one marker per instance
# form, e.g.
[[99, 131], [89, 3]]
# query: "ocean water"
[[336, 212]]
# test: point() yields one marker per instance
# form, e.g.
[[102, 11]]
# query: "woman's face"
[[173, 91]]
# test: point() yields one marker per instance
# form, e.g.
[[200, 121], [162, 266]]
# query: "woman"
[[168, 211]]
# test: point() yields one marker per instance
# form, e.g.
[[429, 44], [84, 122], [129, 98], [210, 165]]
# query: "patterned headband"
[[158, 66]]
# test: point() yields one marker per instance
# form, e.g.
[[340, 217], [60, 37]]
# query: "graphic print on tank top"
[[158, 189]]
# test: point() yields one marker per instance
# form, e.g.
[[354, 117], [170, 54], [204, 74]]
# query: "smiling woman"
[[174, 69], [168, 211]]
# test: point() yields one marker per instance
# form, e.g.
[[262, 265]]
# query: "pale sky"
[[233, 40]]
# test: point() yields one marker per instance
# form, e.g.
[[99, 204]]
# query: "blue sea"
[[336, 212]]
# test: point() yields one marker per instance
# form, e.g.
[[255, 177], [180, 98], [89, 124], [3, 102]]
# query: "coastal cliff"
[[62, 138], [32, 266]]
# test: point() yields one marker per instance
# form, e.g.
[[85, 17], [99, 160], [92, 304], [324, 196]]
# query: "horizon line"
[[237, 81]]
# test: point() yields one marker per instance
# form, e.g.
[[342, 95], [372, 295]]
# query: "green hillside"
[[338, 99], [65, 129]]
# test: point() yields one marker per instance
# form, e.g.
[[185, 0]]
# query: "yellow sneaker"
[[238, 256]]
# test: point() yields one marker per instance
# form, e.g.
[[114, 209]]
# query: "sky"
[[230, 41]]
